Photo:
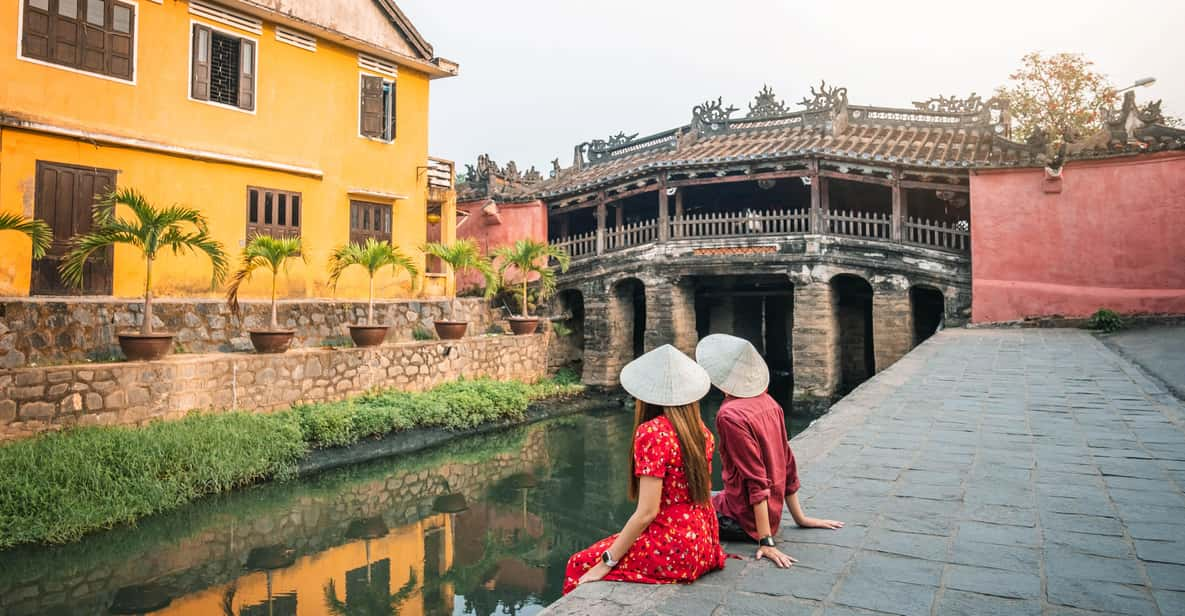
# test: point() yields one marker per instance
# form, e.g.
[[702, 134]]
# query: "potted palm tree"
[[373, 256], [461, 256], [149, 229], [531, 257], [37, 230], [272, 254]]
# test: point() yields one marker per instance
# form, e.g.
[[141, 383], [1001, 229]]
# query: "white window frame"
[[20, 52], [387, 79], [189, 66]]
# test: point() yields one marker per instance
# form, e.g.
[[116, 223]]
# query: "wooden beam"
[[934, 186], [854, 177], [625, 194], [601, 227], [752, 177], [816, 218], [664, 212], [895, 220]]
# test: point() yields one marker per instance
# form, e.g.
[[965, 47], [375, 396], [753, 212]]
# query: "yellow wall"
[[306, 115]]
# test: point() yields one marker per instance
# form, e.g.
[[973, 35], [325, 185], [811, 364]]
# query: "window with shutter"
[[222, 68], [377, 108], [95, 36], [273, 212], [370, 221]]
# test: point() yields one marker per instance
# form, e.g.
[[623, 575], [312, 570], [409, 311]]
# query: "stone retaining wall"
[[38, 331], [39, 399]]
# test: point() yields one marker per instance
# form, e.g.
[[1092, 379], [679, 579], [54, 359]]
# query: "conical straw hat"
[[733, 364], [665, 377]]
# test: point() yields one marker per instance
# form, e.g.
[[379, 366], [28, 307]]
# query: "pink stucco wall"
[[512, 221], [1114, 237]]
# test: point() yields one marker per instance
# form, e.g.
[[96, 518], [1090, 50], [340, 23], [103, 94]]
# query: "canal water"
[[479, 526]]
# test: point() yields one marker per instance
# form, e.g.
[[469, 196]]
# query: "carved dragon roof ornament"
[[952, 104], [711, 115], [825, 97], [766, 104], [486, 168]]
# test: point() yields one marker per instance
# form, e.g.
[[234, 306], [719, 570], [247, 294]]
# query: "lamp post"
[[1143, 82]]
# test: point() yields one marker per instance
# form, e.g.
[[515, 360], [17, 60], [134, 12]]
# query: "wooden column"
[[824, 203], [679, 211], [896, 219], [564, 225], [618, 216], [816, 219], [664, 212], [601, 227]]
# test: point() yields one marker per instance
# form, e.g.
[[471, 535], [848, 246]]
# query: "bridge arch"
[[855, 352], [567, 348], [928, 309], [627, 322]]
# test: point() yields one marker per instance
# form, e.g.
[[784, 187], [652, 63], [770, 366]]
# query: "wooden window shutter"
[[246, 74], [372, 106], [36, 37], [64, 44], [120, 45], [93, 35], [200, 74], [391, 117]]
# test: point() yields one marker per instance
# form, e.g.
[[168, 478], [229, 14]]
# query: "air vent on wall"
[[303, 41], [372, 63], [213, 12]]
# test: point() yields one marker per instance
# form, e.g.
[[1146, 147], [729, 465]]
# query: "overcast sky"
[[539, 76]]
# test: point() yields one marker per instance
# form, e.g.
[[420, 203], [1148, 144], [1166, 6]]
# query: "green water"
[[480, 526]]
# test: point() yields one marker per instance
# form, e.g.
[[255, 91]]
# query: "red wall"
[[1113, 238], [513, 221]]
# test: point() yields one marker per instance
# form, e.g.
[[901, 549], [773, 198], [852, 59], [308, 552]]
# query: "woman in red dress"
[[672, 536]]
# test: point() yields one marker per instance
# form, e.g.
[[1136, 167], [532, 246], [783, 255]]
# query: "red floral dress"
[[682, 543]]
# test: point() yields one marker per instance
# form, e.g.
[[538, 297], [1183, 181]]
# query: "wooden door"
[[65, 197]]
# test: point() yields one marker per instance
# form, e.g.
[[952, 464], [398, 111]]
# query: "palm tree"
[[373, 600], [263, 251], [464, 255], [37, 230], [149, 229], [529, 256], [373, 256]]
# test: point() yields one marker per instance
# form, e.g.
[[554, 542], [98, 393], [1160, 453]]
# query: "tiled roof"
[[940, 134]]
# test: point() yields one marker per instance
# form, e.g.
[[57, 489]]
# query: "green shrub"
[[495, 330], [57, 487], [561, 329], [1107, 321], [420, 332]]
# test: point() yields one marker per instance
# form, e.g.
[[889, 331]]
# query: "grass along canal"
[[480, 525]]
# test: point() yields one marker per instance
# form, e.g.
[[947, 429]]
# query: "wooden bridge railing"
[[578, 246], [954, 237], [937, 234], [631, 234]]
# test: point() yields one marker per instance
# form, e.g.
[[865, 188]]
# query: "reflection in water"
[[480, 526]]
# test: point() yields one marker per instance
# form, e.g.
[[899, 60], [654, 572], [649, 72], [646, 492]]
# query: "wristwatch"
[[607, 558], [766, 541]]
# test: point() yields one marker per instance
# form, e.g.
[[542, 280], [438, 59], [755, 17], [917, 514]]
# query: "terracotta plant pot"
[[271, 341], [450, 330], [145, 347], [368, 335], [522, 326]]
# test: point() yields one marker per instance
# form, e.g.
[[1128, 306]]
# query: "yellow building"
[[290, 117]]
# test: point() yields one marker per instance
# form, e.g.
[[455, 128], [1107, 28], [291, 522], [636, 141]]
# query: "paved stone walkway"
[[988, 472], [1158, 349]]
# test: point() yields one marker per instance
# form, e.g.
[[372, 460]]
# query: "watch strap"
[[607, 558], [767, 541]]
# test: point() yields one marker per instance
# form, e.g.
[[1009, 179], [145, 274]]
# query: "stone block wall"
[[39, 399], [815, 340], [39, 331], [892, 320]]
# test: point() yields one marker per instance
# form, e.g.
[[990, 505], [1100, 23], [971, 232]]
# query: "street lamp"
[[1146, 81]]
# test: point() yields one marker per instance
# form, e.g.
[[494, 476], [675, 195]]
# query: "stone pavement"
[[1158, 349], [988, 472]]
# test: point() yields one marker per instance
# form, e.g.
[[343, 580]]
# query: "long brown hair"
[[690, 430]]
